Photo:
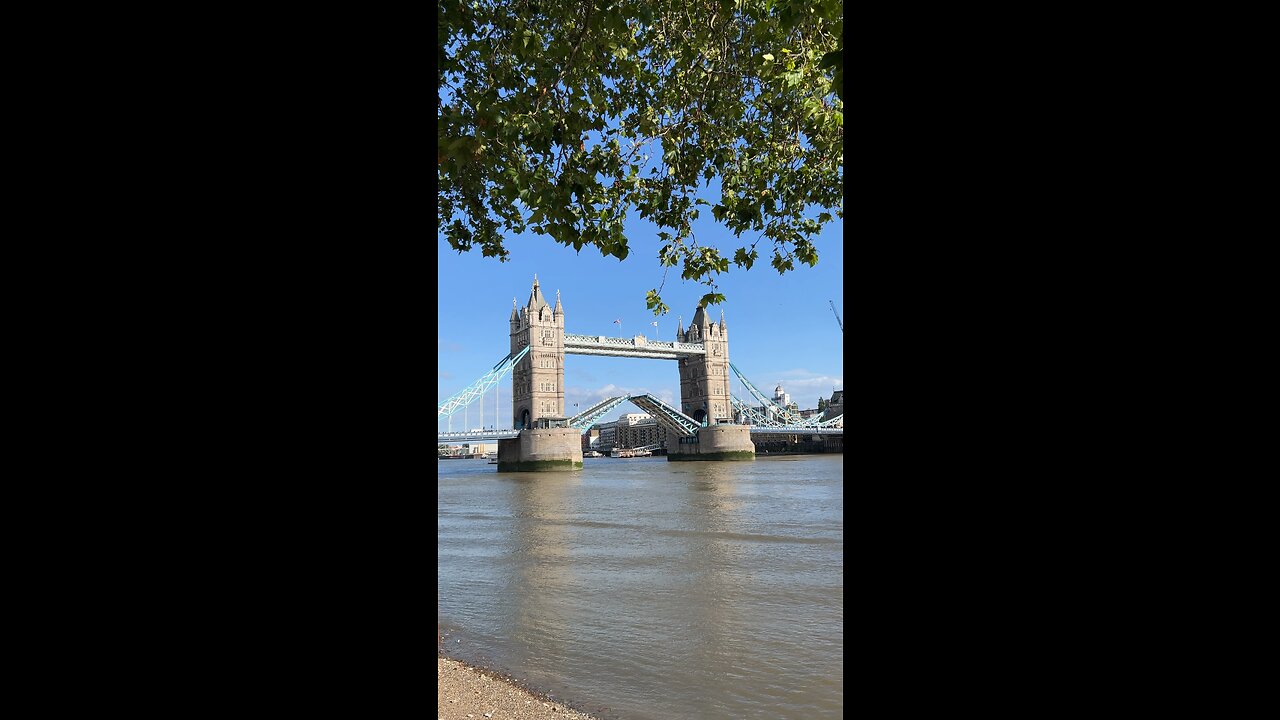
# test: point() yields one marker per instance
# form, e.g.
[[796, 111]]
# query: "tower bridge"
[[543, 438]]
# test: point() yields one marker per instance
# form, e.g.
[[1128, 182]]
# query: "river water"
[[642, 589]]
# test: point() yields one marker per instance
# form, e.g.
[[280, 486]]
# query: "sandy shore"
[[464, 692]]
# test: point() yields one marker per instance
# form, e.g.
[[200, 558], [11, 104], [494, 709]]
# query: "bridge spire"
[[559, 309], [699, 318], [536, 301]]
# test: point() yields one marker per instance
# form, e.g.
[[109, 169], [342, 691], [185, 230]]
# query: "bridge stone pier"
[[714, 442], [541, 449]]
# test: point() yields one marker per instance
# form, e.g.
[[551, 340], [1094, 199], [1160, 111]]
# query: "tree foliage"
[[561, 116]]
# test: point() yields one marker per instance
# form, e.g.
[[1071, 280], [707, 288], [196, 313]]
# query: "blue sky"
[[781, 328]]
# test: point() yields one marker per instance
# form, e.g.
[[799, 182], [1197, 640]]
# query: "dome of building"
[[778, 389]]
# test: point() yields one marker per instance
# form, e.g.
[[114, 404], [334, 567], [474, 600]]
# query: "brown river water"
[[642, 589]]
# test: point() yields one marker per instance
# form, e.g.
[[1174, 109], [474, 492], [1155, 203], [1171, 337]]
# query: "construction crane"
[[833, 309]]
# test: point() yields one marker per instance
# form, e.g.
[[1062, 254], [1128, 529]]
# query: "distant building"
[[647, 432], [626, 431], [591, 440], [835, 406], [608, 435], [467, 450], [780, 397]]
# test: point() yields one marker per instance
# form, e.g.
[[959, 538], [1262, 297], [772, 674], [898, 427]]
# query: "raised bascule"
[[543, 438]]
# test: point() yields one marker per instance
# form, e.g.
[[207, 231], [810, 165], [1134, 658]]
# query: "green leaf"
[[512, 114]]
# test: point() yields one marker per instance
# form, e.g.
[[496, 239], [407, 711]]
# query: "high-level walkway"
[[637, 347]]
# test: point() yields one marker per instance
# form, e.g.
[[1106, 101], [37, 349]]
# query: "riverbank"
[[464, 692]]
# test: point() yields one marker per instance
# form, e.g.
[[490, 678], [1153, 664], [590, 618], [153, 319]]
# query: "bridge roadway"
[[461, 437]]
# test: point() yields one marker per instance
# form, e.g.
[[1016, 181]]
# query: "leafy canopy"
[[559, 116]]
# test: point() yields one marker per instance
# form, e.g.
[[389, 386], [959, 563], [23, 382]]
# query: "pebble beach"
[[467, 693]]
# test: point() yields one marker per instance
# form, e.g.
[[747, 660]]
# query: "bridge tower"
[[537, 391], [537, 381], [704, 379]]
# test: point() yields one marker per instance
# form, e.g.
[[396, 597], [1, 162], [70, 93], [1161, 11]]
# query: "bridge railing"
[[783, 414], [448, 437], [747, 414], [477, 389]]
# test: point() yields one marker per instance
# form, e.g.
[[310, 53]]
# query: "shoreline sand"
[[466, 692]]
